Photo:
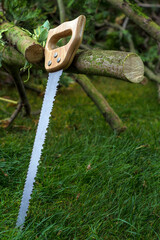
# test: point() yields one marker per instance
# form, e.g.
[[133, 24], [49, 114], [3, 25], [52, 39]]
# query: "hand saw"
[[56, 59]]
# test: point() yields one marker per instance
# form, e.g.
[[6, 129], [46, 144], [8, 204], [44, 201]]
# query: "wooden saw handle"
[[61, 57]]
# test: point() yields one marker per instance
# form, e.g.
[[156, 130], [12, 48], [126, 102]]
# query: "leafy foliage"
[[151, 55], [41, 33], [20, 11]]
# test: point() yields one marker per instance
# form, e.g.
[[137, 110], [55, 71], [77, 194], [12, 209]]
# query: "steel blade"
[[38, 144]]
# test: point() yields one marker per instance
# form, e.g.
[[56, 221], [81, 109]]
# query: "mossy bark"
[[135, 14], [117, 64], [11, 56], [30, 48], [110, 116], [122, 65]]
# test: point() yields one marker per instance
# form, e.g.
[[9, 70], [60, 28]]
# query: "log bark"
[[108, 113], [14, 114], [142, 20], [117, 64], [123, 65], [30, 48], [11, 57]]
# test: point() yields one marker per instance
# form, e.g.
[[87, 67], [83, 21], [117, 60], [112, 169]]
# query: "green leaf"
[[70, 3], [43, 35], [46, 25]]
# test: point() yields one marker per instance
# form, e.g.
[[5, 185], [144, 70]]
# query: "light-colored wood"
[[66, 53]]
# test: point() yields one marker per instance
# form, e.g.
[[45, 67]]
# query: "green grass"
[[117, 198]]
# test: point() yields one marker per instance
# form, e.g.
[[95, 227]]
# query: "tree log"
[[142, 20], [29, 47], [117, 64], [108, 113], [123, 65]]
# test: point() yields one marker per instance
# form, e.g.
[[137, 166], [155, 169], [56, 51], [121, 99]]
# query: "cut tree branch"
[[151, 75], [148, 72], [117, 64], [29, 47], [14, 115], [110, 116], [11, 57], [135, 14]]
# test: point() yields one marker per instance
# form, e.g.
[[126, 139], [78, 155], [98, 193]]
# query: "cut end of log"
[[133, 68], [34, 53]]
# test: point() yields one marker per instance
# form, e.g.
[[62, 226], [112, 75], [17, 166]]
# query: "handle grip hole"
[[60, 39]]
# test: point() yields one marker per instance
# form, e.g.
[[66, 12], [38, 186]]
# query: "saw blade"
[[38, 144]]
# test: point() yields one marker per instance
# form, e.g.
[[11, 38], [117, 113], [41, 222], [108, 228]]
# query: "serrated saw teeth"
[[55, 60], [47, 105]]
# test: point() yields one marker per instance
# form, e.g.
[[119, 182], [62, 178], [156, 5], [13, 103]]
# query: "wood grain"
[[66, 53]]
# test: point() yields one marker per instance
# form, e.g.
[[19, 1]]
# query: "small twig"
[[148, 5], [142, 20], [151, 75], [15, 114], [108, 113], [124, 25], [8, 100]]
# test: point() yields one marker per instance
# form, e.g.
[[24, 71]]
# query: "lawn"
[[91, 183]]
